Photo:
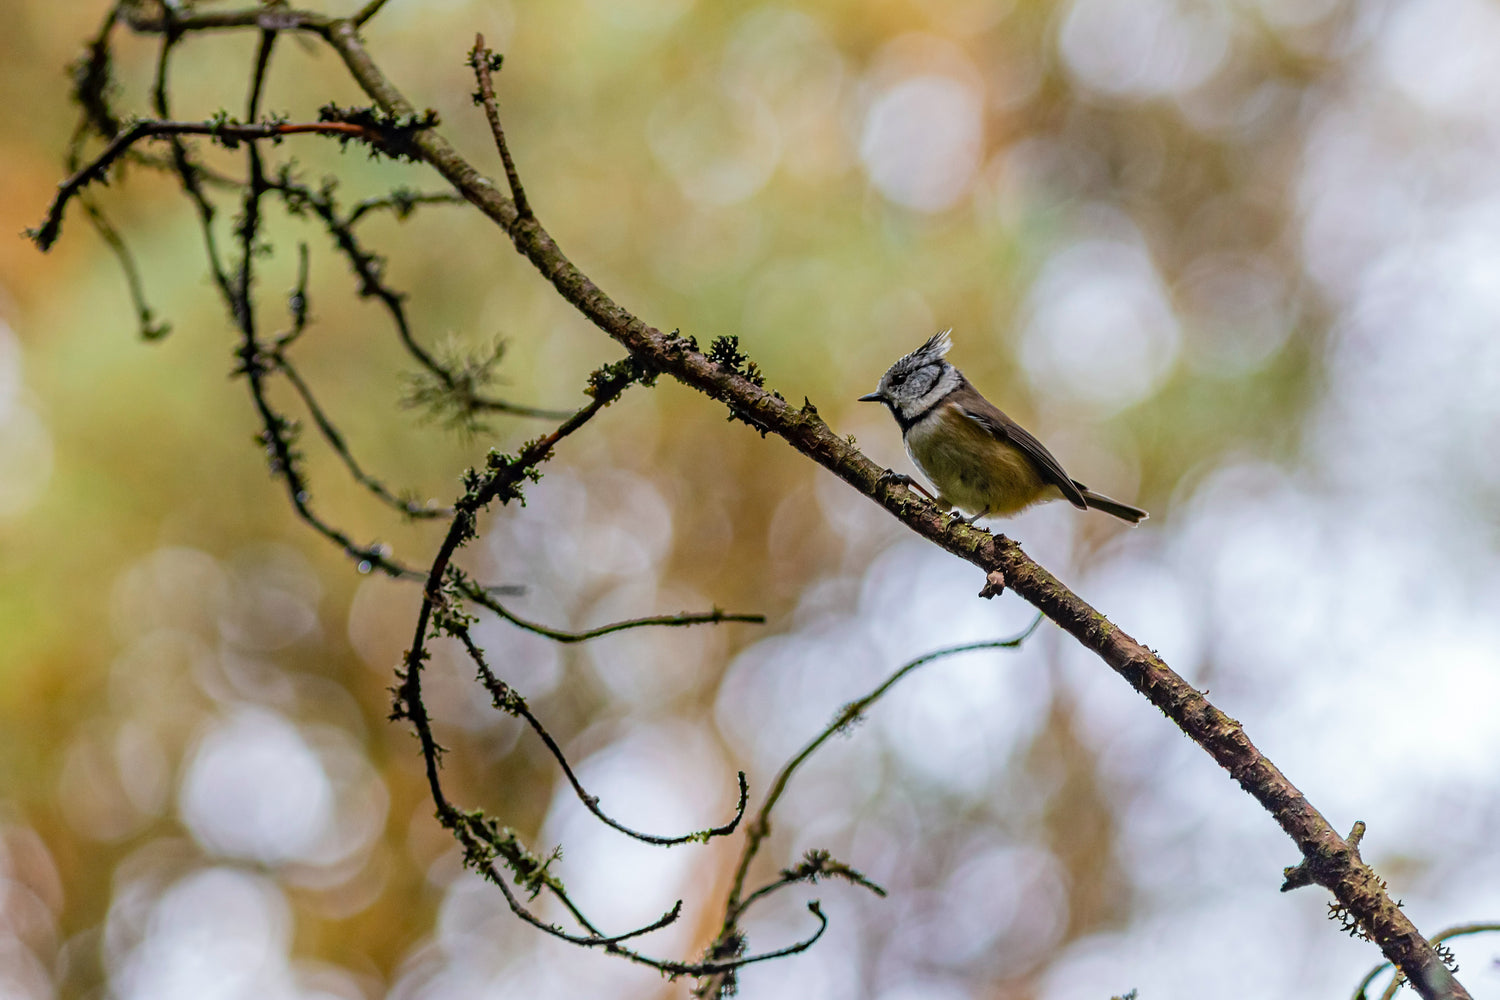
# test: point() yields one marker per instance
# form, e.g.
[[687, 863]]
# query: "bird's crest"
[[937, 346]]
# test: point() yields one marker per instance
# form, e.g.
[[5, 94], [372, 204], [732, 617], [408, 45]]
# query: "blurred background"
[[1238, 263]]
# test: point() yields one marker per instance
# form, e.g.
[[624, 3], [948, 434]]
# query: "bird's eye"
[[898, 378]]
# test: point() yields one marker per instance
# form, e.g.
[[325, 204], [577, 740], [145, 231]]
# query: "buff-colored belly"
[[972, 469]]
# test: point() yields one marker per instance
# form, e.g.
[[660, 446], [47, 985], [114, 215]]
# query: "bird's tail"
[[1098, 501]]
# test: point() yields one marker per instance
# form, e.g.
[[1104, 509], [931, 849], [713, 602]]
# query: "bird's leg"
[[970, 520], [902, 479]]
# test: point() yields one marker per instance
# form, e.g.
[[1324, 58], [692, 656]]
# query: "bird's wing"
[[988, 415]]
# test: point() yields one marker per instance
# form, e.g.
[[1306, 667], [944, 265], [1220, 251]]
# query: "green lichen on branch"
[[454, 394], [725, 352], [610, 380], [485, 840], [385, 133], [94, 85], [818, 863], [1347, 921], [492, 61]]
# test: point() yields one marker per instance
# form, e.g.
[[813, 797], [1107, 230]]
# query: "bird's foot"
[[956, 517], [902, 479]]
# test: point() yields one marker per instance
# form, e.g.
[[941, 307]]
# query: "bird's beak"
[[874, 397]]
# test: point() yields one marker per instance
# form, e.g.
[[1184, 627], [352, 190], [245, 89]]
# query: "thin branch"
[[815, 865], [46, 234], [508, 700], [274, 428], [298, 304], [406, 506], [485, 598], [262, 63], [485, 63], [712, 968], [501, 480], [501, 477], [481, 847], [188, 172], [400, 202], [193, 20], [368, 11], [92, 77], [150, 327], [760, 827], [368, 268]]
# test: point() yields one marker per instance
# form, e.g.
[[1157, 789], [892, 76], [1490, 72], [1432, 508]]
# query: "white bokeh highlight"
[[1098, 327], [922, 139]]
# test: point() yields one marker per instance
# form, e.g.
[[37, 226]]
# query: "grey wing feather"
[[987, 415]]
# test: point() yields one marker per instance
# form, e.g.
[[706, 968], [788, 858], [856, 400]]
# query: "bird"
[[980, 460]]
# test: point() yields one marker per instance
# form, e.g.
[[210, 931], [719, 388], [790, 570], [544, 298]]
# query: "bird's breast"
[[972, 468]]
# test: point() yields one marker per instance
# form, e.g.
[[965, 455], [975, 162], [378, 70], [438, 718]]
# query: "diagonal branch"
[[485, 64], [1360, 991], [1353, 883]]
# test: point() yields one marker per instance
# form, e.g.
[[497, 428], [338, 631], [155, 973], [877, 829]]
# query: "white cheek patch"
[[946, 383]]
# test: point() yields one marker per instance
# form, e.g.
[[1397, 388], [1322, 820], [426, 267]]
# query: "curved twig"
[[815, 864], [409, 508], [1360, 991], [508, 700], [760, 827], [399, 202], [712, 968], [150, 327], [485, 598], [481, 847], [368, 11]]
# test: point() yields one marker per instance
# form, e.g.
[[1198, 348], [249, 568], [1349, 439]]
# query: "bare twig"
[[815, 864], [485, 598], [481, 839], [368, 11], [508, 700], [400, 202], [229, 132], [150, 327], [485, 64], [369, 269], [730, 938], [760, 827]]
